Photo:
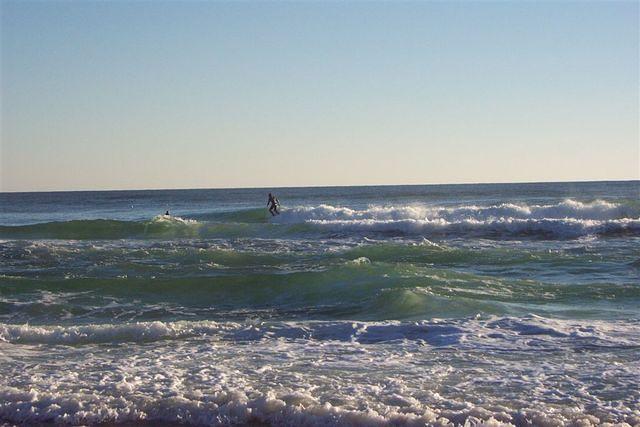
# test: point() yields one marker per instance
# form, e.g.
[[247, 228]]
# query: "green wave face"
[[271, 286], [77, 229], [250, 216], [114, 229]]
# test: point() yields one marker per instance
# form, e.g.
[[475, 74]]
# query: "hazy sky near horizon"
[[125, 95]]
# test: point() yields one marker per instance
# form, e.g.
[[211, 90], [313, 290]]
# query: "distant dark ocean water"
[[397, 305]]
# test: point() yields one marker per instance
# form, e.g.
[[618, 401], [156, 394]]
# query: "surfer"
[[166, 213], [273, 204]]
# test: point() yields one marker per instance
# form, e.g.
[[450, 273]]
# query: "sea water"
[[505, 304]]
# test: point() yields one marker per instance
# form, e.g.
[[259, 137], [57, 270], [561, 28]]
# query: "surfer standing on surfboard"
[[273, 204]]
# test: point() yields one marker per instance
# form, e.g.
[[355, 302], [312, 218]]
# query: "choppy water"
[[412, 305]]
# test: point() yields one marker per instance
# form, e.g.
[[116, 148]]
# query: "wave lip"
[[598, 209]]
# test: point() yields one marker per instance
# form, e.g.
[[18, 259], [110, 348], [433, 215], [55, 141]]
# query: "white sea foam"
[[360, 261], [132, 332], [597, 210], [170, 219], [566, 219], [324, 373], [233, 407], [464, 332]]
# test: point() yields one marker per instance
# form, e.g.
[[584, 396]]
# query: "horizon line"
[[317, 186]]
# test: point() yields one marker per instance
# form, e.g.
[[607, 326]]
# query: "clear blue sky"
[[119, 95]]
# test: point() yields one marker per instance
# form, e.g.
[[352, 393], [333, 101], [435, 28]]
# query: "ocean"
[[493, 304]]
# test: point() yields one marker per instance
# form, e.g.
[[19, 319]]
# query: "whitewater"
[[487, 304]]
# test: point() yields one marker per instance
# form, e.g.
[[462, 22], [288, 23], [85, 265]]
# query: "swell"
[[76, 229], [354, 290], [571, 262], [269, 253], [174, 228]]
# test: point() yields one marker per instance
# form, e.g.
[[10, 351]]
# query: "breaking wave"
[[596, 210], [568, 219]]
